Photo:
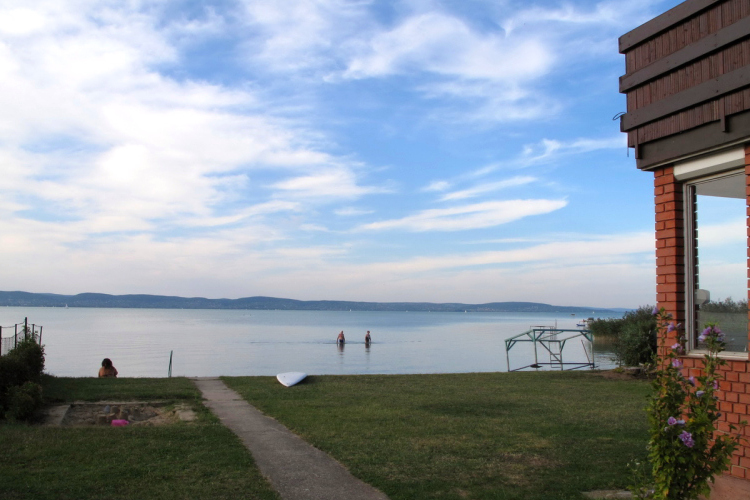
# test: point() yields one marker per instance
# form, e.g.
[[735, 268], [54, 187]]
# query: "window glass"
[[719, 258]]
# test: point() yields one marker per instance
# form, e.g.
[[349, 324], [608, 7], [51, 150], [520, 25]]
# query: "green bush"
[[609, 327], [23, 401], [30, 357], [23, 365], [636, 343], [634, 335]]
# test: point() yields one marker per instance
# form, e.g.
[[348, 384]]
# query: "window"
[[716, 250]]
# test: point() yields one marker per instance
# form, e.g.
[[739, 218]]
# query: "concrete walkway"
[[297, 470]]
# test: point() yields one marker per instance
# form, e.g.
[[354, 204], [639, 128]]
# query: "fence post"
[[25, 328], [15, 337], [40, 334]]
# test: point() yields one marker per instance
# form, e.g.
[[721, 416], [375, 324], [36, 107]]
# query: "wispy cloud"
[[466, 217], [352, 211], [548, 149], [488, 188], [329, 184]]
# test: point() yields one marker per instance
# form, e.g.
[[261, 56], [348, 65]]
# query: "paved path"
[[297, 470]]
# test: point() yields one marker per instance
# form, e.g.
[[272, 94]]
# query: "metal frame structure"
[[550, 339]]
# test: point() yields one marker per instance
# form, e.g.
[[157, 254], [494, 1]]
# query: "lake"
[[250, 342]]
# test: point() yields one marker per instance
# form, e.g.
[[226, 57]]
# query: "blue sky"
[[442, 151]]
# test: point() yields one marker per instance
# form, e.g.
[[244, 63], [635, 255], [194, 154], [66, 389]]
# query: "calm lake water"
[[249, 342]]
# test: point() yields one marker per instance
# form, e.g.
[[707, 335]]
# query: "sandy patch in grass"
[[82, 414]]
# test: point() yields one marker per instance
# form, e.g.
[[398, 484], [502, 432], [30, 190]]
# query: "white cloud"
[[436, 186], [91, 125], [300, 36], [465, 217], [331, 184], [547, 150], [445, 45], [352, 212], [488, 187]]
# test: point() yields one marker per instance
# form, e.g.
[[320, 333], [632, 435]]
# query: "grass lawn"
[[180, 461], [523, 436]]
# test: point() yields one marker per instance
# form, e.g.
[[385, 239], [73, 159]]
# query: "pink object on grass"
[[119, 423]]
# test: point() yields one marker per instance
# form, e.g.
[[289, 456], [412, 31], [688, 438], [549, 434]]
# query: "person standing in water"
[[341, 339], [367, 337]]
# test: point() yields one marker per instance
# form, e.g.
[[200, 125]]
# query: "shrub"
[[726, 306], [23, 401], [30, 356], [609, 327], [22, 365], [634, 335]]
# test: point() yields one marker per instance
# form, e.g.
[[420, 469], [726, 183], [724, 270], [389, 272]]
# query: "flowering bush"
[[684, 451]]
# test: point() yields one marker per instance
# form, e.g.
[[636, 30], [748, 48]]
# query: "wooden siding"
[[685, 72]]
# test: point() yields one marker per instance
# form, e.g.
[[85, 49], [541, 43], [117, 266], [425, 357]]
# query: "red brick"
[[745, 377], [733, 418], [670, 287], [744, 398], [740, 409], [670, 252], [725, 407], [732, 397], [740, 472], [733, 377], [664, 180], [738, 387]]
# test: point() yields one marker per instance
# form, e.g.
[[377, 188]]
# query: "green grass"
[[181, 461], [115, 389], [480, 436]]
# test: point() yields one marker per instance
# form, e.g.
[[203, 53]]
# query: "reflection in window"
[[717, 229]]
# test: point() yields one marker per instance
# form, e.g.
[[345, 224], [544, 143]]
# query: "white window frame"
[[692, 173]]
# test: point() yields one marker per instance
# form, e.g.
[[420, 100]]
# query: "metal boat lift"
[[553, 340]]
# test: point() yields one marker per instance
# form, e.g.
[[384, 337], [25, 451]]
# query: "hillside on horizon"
[[101, 300]]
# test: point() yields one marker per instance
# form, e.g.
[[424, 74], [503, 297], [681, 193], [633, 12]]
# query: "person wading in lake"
[[340, 339], [107, 370], [367, 337]]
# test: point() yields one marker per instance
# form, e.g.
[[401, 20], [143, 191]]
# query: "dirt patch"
[[134, 413]]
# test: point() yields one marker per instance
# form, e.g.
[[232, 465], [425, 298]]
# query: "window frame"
[[689, 223]]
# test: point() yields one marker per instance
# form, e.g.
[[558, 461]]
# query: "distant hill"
[[270, 303]]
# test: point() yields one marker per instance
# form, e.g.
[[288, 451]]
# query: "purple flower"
[[687, 439], [692, 381], [655, 311], [677, 363], [677, 348], [716, 385], [671, 421], [700, 393], [711, 332], [670, 327]]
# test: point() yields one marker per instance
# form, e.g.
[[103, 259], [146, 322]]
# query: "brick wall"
[[734, 393]]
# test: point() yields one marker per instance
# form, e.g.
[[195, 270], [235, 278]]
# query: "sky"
[[414, 150]]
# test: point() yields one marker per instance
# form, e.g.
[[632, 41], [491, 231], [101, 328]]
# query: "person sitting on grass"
[[107, 370]]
